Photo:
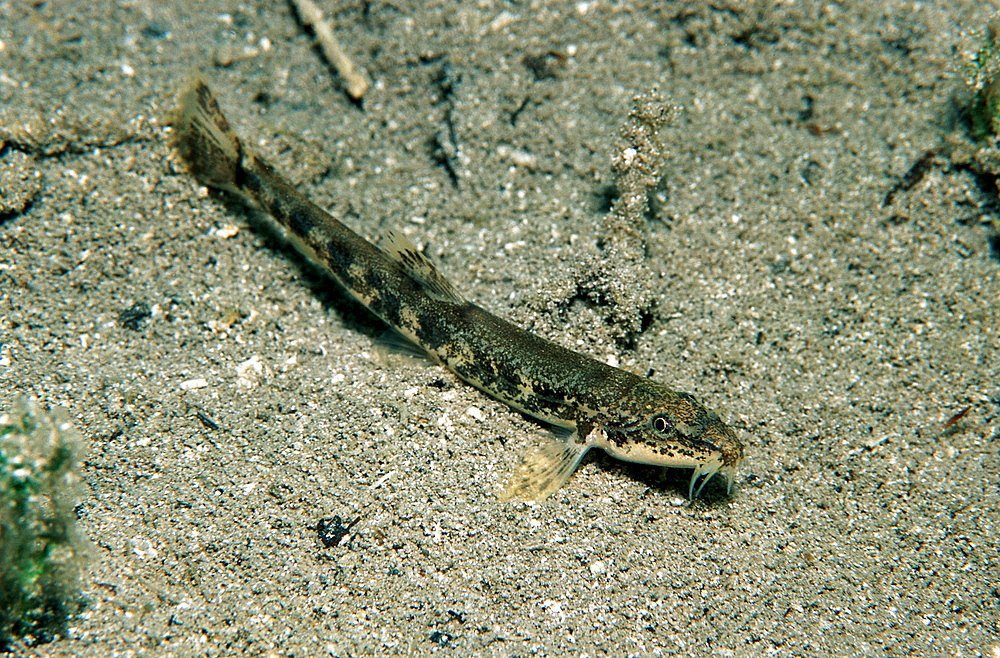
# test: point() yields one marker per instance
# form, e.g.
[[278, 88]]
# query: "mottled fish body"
[[590, 403]]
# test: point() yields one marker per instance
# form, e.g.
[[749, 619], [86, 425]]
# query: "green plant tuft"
[[984, 78], [41, 550]]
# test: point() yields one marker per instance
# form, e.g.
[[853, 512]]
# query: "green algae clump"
[[984, 113], [42, 552]]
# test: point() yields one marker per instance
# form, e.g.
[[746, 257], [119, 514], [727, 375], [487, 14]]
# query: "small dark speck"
[[132, 317], [808, 109], [912, 177], [155, 30], [544, 65], [206, 420], [263, 98], [606, 197], [994, 241], [332, 531], [780, 264], [442, 638], [811, 172]]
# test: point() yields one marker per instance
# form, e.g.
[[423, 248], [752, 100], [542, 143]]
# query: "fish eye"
[[662, 424]]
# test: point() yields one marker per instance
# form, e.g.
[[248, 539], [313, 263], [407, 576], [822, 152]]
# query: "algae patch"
[[41, 549], [984, 113]]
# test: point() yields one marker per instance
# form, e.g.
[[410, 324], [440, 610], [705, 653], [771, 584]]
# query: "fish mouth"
[[707, 471], [726, 458]]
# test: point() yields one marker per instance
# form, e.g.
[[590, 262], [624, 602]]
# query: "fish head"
[[666, 428]]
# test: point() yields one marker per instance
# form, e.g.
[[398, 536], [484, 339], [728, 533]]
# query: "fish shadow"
[[334, 297], [665, 481]]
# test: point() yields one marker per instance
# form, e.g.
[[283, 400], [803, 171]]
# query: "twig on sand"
[[355, 77]]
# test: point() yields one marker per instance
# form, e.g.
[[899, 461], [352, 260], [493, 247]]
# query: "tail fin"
[[204, 139]]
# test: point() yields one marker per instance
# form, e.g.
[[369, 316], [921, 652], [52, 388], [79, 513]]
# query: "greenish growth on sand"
[[41, 550], [984, 114]]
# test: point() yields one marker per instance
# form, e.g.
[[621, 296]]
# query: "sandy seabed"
[[836, 329]]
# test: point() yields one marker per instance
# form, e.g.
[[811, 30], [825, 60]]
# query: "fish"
[[585, 402]]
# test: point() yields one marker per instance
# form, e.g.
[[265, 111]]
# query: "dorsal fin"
[[419, 268]]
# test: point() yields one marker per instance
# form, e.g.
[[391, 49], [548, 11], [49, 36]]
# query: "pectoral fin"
[[544, 469], [394, 346]]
